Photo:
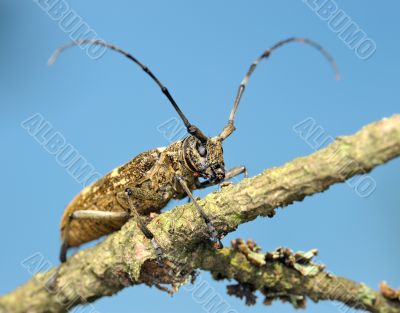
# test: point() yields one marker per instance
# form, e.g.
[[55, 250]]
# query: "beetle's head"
[[205, 158]]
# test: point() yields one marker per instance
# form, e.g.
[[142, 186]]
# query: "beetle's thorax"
[[180, 159]]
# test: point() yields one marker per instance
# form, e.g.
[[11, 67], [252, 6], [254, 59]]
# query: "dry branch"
[[287, 276], [126, 258]]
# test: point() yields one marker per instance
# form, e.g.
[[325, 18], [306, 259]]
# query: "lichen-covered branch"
[[126, 258], [288, 276]]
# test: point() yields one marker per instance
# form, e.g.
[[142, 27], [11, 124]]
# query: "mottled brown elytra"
[[150, 180]]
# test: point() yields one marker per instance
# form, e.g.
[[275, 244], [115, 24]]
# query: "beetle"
[[150, 180]]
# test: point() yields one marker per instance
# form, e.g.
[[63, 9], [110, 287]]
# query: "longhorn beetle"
[[150, 180]]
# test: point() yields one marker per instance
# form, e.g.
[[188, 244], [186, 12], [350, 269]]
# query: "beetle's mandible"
[[150, 180]]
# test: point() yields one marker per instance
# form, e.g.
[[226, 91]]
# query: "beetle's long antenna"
[[192, 129], [229, 127]]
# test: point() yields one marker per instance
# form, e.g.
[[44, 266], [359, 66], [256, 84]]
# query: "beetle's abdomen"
[[85, 230], [102, 196]]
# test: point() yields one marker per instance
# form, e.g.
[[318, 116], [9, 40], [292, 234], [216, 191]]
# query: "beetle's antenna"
[[229, 127], [192, 129]]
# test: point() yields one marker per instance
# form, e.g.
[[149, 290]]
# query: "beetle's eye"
[[202, 151]]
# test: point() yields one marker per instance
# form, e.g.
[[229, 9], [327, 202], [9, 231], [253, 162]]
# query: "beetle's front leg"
[[211, 228], [147, 233], [233, 172]]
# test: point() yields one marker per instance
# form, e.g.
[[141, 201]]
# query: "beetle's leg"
[[233, 172], [211, 228], [87, 215], [147, 233], [81, 215]]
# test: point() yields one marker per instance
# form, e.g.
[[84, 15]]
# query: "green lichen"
[[366, 295]]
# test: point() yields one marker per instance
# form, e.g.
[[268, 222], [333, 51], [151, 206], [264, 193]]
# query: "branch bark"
[[126, 258], [287, 276]]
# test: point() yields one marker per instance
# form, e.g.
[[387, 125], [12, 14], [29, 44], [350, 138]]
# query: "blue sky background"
[[109, 111]]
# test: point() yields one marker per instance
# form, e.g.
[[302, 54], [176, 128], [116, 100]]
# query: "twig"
[[287, 276]]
